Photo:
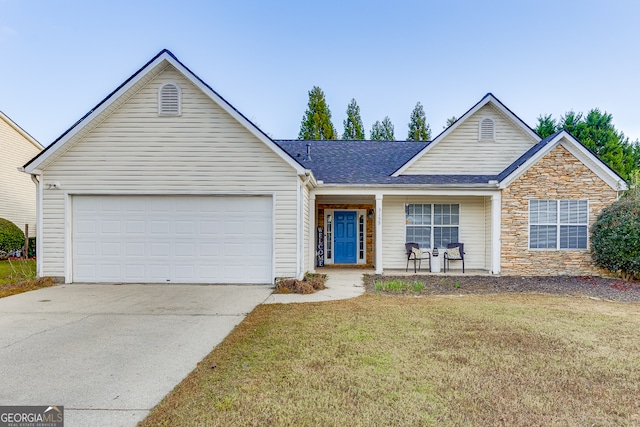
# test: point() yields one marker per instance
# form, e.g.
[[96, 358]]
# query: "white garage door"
[[172, 239]]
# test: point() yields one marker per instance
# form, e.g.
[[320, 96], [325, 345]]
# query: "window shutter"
[[169, 100], [487, 130]]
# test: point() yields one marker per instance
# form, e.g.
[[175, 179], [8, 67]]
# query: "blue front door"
[[345, 237]]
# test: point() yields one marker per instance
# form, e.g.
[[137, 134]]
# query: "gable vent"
[[487, 130], [169, 100]]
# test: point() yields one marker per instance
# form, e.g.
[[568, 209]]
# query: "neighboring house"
[[164, 181], [18, 192]]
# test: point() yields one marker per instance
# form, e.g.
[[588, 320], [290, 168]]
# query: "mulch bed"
[[310, 284], [591, 286]]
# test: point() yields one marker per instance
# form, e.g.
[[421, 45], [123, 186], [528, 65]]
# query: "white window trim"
[[493, 128], [329, 261], [165, 114], [557, 225], [432, 225]]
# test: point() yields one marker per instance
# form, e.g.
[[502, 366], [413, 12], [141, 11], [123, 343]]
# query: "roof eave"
[[483, 186], [21, 131]]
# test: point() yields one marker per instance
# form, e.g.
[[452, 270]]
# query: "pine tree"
[[353, 127], [546, 126], [383, 131], [316, 122], [451, 120], [419, 129], [597, 132]]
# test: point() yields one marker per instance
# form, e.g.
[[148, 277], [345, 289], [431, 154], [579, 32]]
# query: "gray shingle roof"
[[368, 162]]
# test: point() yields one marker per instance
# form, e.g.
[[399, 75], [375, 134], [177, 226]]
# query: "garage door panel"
[[136, 272], [186, 228], [86, 248], [86, 226], [110, 249], [176, 239], [134, 249], [136, 227], [185, 250], [209, 250]]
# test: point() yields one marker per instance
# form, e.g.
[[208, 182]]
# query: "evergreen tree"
[[376, 131], [450, 121], [316, 122], [546, 126], [353, 127], [419, 129], [383, 131], [597, 132]]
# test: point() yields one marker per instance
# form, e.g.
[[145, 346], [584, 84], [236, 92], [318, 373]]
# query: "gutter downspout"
[[300, 234], [37, 180]]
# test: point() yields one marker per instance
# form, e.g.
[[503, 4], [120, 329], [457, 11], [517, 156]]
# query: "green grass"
[[511, 359], [17, 271], [398, 285], [20, 276]]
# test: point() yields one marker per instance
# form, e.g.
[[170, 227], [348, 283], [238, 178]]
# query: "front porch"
[[329, 270], [366, 231]]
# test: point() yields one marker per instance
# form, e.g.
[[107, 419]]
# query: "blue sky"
[[60, 58]]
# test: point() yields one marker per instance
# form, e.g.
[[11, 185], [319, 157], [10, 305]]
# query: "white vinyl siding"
[[18, 194], [474, 232], [460, 152], [203, 151]]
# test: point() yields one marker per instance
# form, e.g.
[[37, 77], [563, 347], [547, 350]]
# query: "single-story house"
[[18, 193], [165, 181]]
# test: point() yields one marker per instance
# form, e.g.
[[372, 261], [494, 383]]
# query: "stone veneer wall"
[[369, 224], [558, 175]]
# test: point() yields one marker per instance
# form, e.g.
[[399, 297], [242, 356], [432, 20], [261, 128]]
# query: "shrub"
[[615, 238], [32, 247], [11, 237]]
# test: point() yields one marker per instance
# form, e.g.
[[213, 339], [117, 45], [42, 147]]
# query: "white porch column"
[[313, 230], [496, 229], [378, 248]]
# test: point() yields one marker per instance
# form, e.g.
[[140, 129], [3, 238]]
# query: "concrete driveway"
[[109, 353]]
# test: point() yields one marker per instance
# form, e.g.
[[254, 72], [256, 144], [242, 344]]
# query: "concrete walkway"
[[341, 284]]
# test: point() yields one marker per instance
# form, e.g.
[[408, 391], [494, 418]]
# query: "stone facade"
[[369, 227], [557, 176]]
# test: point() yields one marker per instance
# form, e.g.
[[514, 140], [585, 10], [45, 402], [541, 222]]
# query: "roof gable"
[[487, 100], [126, 90], [575, 147], [20, 131]]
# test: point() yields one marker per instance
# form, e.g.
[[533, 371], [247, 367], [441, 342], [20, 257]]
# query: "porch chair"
[[417, 255], [454, 252]]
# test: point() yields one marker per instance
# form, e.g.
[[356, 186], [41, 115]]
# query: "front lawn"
[[19, 276], [507, 359]]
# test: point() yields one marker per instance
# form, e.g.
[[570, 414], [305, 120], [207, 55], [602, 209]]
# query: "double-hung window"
[[432, 225], [557, 224]]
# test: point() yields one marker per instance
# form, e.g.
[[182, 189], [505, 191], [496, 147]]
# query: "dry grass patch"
[[19, 276], [534, 360]]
